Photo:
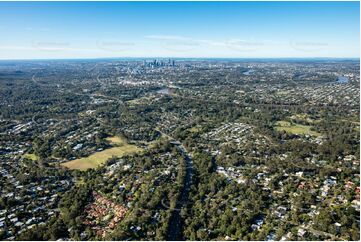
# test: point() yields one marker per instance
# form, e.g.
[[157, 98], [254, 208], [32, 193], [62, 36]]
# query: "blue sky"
[[32, 30]]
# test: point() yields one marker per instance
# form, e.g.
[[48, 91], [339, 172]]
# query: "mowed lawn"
[[121, 147], [295, 128], [30, 156]]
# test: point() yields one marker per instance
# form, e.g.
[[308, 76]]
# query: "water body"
[[300, 76], [163, 91], [247, 73], [342, 79]]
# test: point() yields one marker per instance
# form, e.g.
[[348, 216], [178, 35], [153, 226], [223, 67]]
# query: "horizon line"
[[170, 57]]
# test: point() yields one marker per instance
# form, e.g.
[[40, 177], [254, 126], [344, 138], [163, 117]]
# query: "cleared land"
[[121, 147], [195, 129], [141, 100], [295, 128], [282, 92], [31, 156]]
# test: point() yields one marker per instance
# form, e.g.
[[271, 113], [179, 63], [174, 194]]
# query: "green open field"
[[195, 129], [120, 148], [30, 156], [282, 92], [139, 100], [295, 128]]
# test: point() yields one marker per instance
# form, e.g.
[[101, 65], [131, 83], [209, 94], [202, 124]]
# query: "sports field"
[[120, 148], [293, 128]]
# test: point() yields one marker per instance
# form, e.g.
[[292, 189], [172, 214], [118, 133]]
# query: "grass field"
[[139, 100], [31, 156], [195, 129], [120, 148], [295, 128], [116, 141]]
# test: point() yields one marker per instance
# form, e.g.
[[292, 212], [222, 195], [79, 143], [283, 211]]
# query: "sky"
[[51, 30]]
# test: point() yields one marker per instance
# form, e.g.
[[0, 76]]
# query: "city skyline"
[[67, 30]]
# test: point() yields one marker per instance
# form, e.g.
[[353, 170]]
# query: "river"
[[342, 79], [163, 91], [247, 73]]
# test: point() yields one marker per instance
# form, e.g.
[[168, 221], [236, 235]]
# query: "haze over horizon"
[[66, 30]]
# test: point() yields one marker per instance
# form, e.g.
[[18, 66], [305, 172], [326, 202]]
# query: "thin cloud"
[[3, 47], [167, 37], [46, 48], [36, 29]]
